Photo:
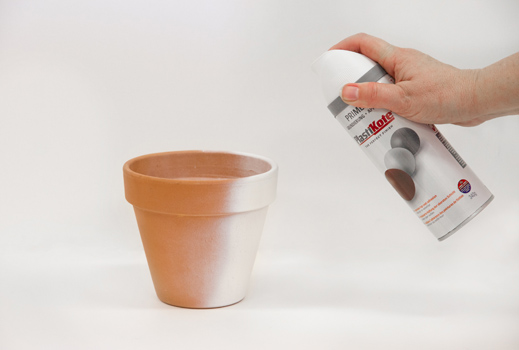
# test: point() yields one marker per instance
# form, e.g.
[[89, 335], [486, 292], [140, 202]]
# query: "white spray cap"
[[337, 68]]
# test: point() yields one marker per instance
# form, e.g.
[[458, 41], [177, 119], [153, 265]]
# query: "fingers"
[[375, 95], [376, 49]]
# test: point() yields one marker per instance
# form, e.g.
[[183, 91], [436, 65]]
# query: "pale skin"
[[429, 91]]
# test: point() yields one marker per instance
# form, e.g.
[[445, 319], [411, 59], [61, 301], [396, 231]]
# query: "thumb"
[[375, 95]]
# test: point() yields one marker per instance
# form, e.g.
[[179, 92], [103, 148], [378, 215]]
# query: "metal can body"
[[419, 163]]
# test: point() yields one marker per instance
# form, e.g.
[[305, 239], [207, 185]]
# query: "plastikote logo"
[[375, 127]]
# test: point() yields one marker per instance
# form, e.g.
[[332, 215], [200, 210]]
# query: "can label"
[[420, 164]]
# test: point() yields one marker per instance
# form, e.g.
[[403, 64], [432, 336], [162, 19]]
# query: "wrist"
[[496, 90], [477, 108], [469, 106]]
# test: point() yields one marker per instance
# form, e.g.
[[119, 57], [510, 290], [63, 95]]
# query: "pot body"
[[200, 217], [200, 261]]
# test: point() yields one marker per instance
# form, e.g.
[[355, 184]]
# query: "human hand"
[[425, 90]]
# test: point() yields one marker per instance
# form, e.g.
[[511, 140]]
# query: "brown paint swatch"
[[401, 182]]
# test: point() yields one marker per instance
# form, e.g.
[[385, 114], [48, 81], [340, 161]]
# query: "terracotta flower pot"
[[200, 215]]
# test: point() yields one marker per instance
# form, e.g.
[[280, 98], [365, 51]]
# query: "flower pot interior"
[[200, 166]]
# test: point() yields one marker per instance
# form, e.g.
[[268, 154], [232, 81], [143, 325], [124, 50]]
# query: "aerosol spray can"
[[416, 159]]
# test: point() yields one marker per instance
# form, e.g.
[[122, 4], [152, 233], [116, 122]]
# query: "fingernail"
[[350, 93]]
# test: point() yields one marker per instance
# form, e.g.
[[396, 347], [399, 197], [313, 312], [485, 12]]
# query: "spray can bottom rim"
[[451, 232]]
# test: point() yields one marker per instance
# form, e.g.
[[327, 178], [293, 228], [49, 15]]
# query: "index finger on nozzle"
[[370, 46]]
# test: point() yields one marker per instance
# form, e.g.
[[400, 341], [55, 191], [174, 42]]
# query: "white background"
[[343, 262]]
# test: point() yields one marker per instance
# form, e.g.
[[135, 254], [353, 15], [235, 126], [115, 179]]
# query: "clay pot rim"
[[217, 181]]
